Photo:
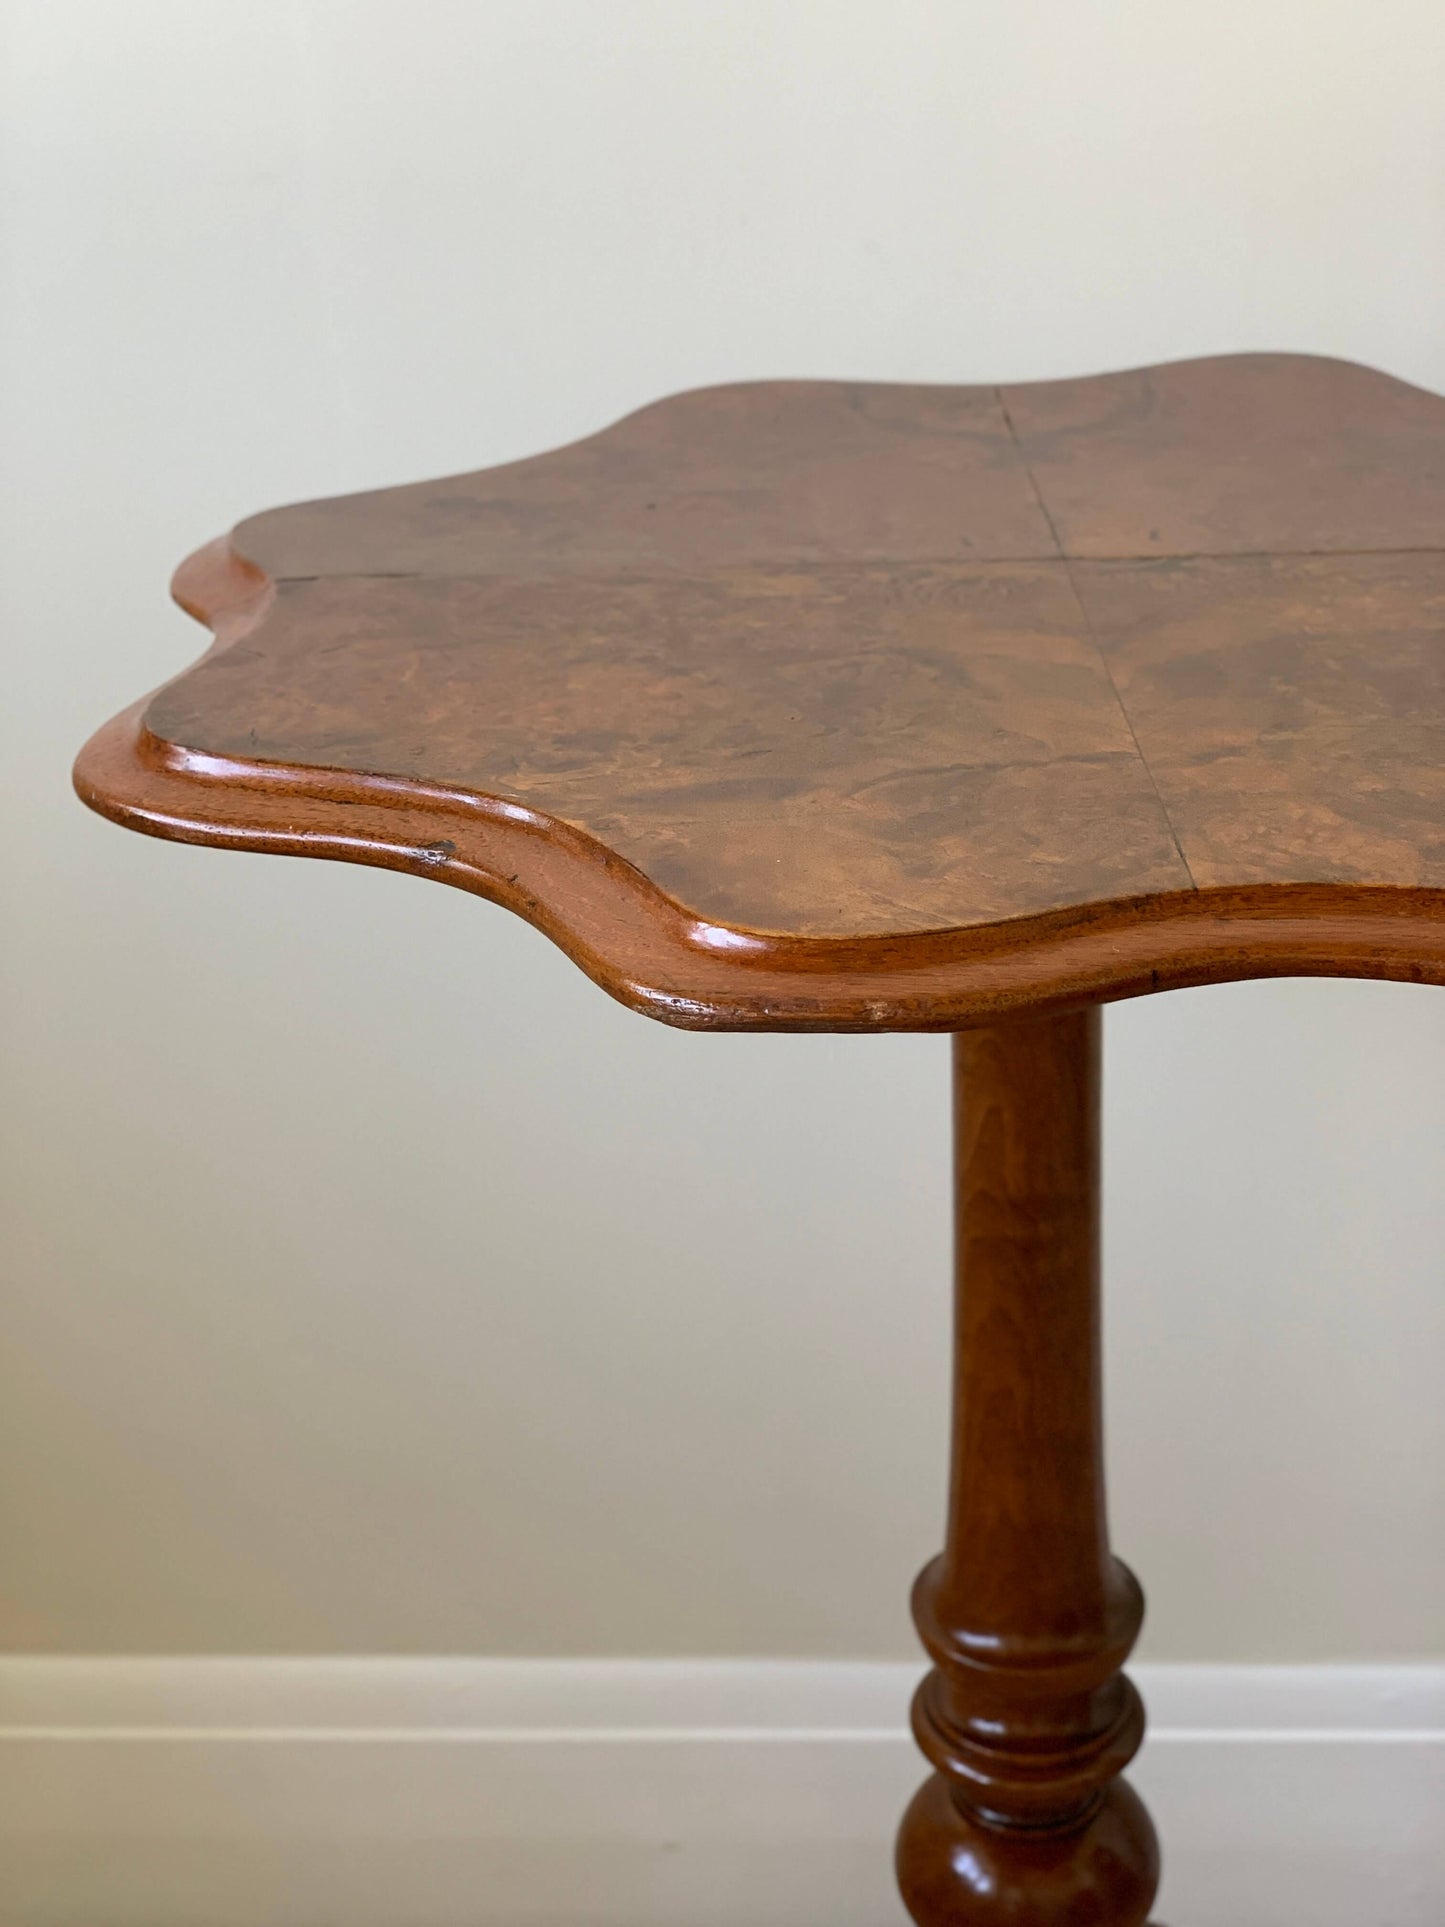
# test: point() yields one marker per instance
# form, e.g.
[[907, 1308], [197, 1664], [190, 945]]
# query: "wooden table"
[[827, 706]]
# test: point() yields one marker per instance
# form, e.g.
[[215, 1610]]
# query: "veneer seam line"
[[1088, 620]]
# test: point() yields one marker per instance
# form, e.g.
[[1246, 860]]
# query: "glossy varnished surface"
[[812, 704]]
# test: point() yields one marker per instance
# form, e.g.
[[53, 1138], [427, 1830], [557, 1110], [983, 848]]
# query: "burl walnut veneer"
[[836, 706]]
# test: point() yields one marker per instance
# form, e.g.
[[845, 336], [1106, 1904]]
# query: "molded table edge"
[[658, 957]]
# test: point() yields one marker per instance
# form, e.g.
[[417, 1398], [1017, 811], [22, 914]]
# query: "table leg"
[[1027, 1717]]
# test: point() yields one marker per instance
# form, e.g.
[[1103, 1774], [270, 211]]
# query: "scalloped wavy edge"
[[658, 957]]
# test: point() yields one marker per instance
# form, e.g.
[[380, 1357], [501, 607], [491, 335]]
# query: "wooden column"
[[1027, 1717]]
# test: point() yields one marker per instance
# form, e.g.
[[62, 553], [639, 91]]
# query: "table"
[[858, 707]]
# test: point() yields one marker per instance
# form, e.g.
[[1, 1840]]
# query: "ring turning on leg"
[[1027, 1717]]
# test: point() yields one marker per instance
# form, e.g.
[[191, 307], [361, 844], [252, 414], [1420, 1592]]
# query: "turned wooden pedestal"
[[830, 706], [1027, 1717]]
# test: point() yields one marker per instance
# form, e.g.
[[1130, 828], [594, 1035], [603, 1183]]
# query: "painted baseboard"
[[494, 1793]]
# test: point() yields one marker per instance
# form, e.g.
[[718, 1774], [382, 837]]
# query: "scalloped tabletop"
[[828, 705]]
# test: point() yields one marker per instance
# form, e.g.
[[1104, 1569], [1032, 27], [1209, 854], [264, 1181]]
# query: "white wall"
[[372, 1283]]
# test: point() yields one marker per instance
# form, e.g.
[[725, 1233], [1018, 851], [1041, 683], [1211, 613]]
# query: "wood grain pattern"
[[1240, 454], [817, 751], [746, 475], [816, 705], [1291, 710]]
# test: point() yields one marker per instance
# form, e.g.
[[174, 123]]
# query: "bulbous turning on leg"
[[956, 1870]]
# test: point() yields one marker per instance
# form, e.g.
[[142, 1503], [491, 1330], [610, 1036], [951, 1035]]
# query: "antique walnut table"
[[825, 706]]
